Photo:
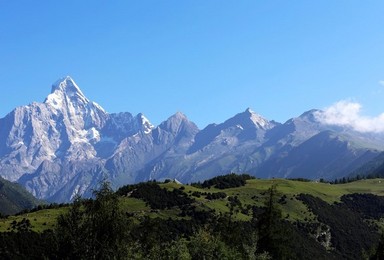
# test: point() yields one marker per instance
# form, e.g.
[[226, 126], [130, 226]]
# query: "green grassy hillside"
[[252, 194], [290, 218]]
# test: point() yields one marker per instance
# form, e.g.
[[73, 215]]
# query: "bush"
[[227, 181], [216, 196], [157, 197]]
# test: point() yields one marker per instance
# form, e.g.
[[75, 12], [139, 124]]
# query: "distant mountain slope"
[[14, 198], [304, 147], [326, 155], [67, 144], [373, 168]]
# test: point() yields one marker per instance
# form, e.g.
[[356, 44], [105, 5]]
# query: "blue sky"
[[207, 59]]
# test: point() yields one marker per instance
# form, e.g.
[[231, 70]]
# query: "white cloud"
[[347, 113], [381, 82]]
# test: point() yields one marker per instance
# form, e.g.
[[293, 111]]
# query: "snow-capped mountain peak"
[[68, 143], [145, 124], [250, 119], [81, 117], [257, 119], [65, 91], [68, 86]]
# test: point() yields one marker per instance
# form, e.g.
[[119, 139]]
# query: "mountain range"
[[68, 144]]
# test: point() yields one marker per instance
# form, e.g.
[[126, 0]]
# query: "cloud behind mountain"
[[349, 114]]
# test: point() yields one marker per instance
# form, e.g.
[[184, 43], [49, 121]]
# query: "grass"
[[133, 205], [253, 193], [40, 220], [374, 186]]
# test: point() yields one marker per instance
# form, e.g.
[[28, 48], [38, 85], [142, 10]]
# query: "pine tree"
[[272, 232], [94, 229]]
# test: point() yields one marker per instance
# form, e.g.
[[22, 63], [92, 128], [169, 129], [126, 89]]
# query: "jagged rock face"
[[67, 144], [40, 143], [135, 153], [60, 128]]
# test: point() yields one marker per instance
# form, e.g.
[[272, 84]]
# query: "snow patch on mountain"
[[146, 125], [67, 144], [258, 120]]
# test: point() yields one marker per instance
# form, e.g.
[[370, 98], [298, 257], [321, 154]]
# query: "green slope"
[[14, 198], [252, 194]]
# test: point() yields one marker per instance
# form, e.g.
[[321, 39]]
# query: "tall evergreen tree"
[[273, 236], [94, 229]]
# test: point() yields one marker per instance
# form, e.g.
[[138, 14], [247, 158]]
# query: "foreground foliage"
[[93, 229]]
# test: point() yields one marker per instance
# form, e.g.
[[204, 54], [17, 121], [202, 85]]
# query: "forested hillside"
[[228, 217], [14, 198]]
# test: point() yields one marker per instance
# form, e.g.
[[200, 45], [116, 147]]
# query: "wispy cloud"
[[381, 82], [347, 113]]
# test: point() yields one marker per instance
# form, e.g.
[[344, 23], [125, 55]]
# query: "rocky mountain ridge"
[[67, 144]]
